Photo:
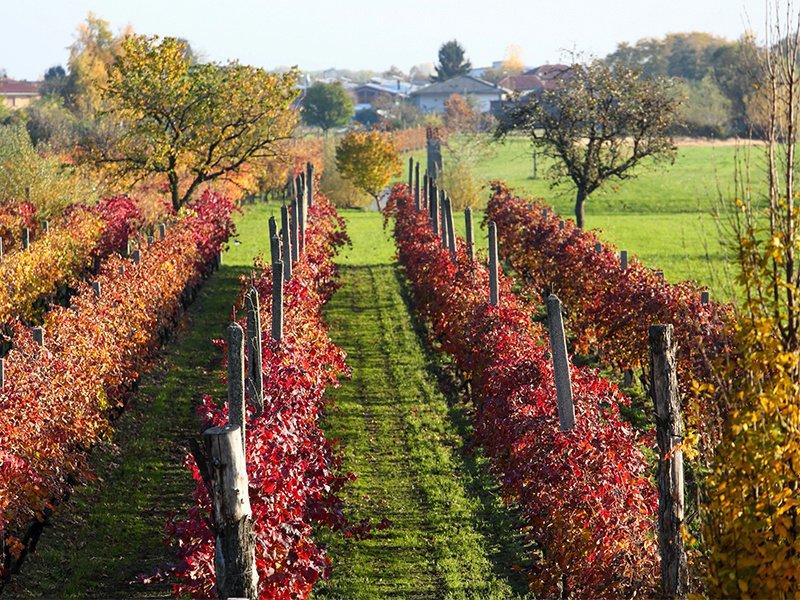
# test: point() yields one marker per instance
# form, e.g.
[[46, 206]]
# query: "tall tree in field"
[[598, 126], [191, 123], [327, 105], [452, 62], [369, 160]]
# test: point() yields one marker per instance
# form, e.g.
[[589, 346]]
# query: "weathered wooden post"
[[310, 183], [38, 335], [410, 173], [236, 408], [425, 189], [136, 256], [544, 213], [2, 372], [300, 185], [26, 238], [277, 301], [1, 247], [561, 224], [45, 226], [274, 241], [255, 382], [598, 247], [494, 266], [434, 210], [451, 231], [294, 223], [443, 218], [623, 259], [291, 187], [417, 199], [301, 225], [96, 286], [558, 348], [669, 434], [705, 297], [286, 251], [470, 233], [162, 230], [234, 556], [121, 269], [434, 151]]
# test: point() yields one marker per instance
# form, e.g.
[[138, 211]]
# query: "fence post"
[[434, 210], [451, 231], [598, 247], [425, 189], [96, 286], [136, 256], [294, 223], [274, 241], [26, 238], [301, 225], [45, 226], [443, 218], [277, 301], [669, 434], [2, 372], [236, 407], [255, 382], [38, 335], [705, 296], [623, 259], [310, 183], [558, 348], [470, 240], [417, 199], [234, 558], [1, 247], [494, 282], [410, 172], [287, 243]]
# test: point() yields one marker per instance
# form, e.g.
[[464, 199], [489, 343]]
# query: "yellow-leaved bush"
[[750, 518]]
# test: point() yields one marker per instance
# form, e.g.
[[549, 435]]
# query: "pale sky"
[[365, 34]]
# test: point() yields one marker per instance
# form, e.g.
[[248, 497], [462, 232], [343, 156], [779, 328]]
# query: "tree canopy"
[[369, 160], [189, 122], [452, 62], [599, 125], [327, 105]]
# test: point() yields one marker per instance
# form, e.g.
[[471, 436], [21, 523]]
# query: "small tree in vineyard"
[[598, 125], [369, 160], [327, 105]]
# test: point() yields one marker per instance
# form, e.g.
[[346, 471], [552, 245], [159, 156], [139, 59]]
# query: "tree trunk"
[[580, 199]]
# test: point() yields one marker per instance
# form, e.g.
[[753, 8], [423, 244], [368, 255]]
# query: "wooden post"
[[623, 259], [434, 210], [45, 226], [38, 335], [162, 230], [669, 434], [121, 269], [705, 297], [26, 238], [236, 407], [425, 188], [417, 198], [136, 256], [2, 372], [451, 231], [291, 187], [598, 247], [295, 226], [277, 301], [234, 557], [1, 247], [494, 266], [301, 226], [544, 213], [558, 348], [255, 382], [561, 224], [97, 288], [470, 234], [410, 172], [310, 183], [286, 251], [443, 218], [274, 241]]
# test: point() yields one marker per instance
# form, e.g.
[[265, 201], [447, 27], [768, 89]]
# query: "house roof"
[[12, 87], [522, 83], [393, 87], [462, 84], [549, 72]]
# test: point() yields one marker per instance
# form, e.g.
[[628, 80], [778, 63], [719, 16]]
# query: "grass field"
[[664, 216]]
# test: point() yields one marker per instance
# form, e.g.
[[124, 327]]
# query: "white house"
[[431, 98]]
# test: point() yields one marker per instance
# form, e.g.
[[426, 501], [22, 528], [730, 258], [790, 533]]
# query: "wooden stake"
[[295, 226], [274, 241], [598, 247], [443, 218], [38, 335], [286, 251], [236, 407], [97, 288], [417, 198], [494, 266], [255, 382], [277, 301], [434, 210], [301, 226], [669, 434], [410, 172], [558, 348], [451, 230], [705, 297], [26, 238], [234, 558], [136, 256], [470, 233], [425, 188], [623, 259], [310, 183], [45, 226], [2, 372], [1, 247], [162, 230]]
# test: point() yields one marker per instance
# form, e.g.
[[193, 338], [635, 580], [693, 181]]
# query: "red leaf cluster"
[[57, 399], [585, 495], [290, 464], [609, 309]]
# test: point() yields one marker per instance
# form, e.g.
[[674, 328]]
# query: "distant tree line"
[[716, 77]]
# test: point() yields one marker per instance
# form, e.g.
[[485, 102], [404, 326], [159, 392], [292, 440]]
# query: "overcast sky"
[[365, 34]]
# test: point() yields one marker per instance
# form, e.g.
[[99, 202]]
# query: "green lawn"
[[663, 216]]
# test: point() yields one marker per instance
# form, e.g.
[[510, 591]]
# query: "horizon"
[[240, 32]]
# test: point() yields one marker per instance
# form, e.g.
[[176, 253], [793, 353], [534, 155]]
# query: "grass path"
[[448, 534], [113, 530]]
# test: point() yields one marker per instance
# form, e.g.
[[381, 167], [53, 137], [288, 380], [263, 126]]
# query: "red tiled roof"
[[522, 83], [14, 87]]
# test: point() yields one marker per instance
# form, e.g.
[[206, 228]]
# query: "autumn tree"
[[452, 62], [369, 160], [459, 114], [327, 105], [190, 123], [598, 126]]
